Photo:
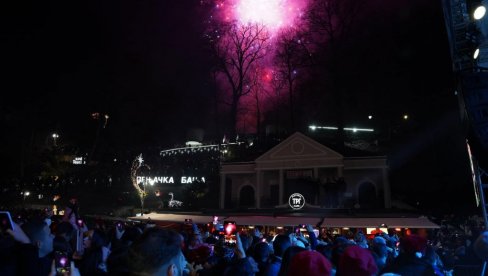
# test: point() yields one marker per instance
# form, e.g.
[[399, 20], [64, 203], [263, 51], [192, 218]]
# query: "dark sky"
[[144, 64], [139, 61]]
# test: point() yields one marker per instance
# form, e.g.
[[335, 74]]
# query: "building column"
[[316, 177], [386, 189], [281, 188], [258, 188], [222, 190]]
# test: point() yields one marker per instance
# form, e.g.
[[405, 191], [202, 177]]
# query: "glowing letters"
[[168, 180]]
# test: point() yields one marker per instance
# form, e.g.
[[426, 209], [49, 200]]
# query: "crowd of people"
[[39, 243]]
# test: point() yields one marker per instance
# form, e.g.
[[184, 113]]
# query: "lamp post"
[[25, 194], [55, 137]]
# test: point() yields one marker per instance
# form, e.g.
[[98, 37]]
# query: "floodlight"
[[479, 12]]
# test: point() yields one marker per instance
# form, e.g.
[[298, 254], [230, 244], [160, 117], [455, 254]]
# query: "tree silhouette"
[[291, 56], [331, 25], [237, 50]]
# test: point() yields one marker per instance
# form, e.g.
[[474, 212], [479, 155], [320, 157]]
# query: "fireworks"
[[267, 12], [274, 14], [277, 19]]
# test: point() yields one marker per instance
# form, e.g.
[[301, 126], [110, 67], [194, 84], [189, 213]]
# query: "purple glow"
[[274, 14], [281, 19]]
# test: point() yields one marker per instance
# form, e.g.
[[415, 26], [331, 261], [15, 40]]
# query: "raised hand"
[[239, 248], [18, 234]]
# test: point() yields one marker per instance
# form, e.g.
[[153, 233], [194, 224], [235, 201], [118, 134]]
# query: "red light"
[[230, 228]]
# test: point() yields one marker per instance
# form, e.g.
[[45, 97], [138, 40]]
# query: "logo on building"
[[296, 201]]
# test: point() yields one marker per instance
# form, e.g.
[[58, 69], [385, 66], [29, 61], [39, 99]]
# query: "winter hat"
[[413, 243], [356, 261], [340, 240], [379, 241], [309, 263]]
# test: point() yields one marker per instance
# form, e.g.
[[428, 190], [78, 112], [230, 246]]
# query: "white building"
[[300, 164]]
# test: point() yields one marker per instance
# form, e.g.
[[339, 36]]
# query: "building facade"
[[299, 164]]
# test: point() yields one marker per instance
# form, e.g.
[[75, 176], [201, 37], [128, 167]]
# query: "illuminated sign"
[[79, 161], [168, 180], [296, 201]]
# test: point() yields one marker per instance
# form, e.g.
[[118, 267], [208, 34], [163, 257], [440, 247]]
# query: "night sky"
[[145, 64]]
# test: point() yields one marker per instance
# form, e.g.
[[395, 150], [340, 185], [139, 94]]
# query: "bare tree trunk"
[[233, 117], [237, 50], [290, 93]]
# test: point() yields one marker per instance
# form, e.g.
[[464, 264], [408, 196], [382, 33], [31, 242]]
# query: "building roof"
[[299, 150], [301, 144], [266, 220]]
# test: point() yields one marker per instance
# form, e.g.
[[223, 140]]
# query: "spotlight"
[[479, 12], [476, 53]]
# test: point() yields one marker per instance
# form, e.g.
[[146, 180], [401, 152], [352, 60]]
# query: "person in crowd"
[[325, 249], [27, 250], [157, 252], [481, 246], [197, 251], [211, 239], [409, 262], [309, 263], [357, 261], [261, 255], [340, 244], [280, 244], [247, 242], [71, 215], [7, 259], [95, 254], [117, 261], [123, 237], [63, 237], [16, 251], [242, 265], [288, 255], [71, 212], [361, 240], [434, 260], [38, 258], [217, 264], [379, 251]]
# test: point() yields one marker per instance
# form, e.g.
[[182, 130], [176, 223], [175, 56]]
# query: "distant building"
[[299, 164]]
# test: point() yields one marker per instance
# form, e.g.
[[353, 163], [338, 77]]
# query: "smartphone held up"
[[62, 262], [230, 230]]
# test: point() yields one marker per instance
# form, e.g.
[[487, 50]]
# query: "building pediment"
[[300, 147]]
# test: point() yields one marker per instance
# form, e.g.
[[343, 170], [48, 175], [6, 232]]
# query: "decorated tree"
[[137, 165]]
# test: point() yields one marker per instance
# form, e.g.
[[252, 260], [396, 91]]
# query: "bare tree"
[[333, 19], [259, 91], [291, 56], [237, 49], [332, 25]]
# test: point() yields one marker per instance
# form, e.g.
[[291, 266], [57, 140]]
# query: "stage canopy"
[[355, 222]]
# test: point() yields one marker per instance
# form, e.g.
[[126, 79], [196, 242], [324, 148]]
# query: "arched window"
[[367, 195], [246, 197]]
